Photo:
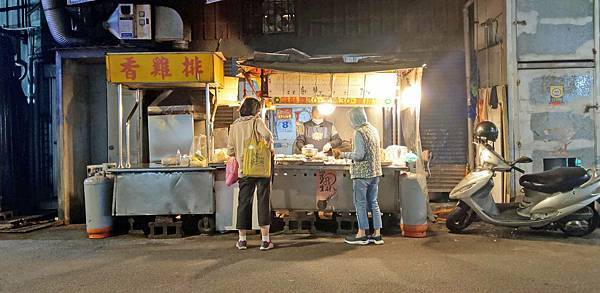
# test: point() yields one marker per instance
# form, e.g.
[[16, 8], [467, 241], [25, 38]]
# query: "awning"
[[297, 61]]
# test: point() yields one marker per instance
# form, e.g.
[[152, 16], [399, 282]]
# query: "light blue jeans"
[[365, 199]]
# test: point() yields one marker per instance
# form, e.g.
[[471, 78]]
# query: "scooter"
[[561, 198]]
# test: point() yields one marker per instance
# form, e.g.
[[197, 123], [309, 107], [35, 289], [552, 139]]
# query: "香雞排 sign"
[[181, 67]]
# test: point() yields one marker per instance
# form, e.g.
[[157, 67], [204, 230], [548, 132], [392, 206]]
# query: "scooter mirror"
[[523, 159]]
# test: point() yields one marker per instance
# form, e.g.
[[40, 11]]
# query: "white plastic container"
[[396, 154]]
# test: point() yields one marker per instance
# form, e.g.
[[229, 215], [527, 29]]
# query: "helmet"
[[486, 131]]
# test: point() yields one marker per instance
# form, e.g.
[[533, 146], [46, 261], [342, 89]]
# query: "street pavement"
[[486, 259]]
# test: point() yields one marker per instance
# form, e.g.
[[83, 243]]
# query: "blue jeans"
[[365, 199]]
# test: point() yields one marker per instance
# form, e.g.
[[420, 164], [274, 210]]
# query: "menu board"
[[354, 89], [334, 101]]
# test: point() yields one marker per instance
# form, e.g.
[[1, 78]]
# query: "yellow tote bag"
[[257, 156]]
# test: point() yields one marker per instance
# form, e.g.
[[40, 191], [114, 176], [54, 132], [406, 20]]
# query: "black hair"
[[249, 107]]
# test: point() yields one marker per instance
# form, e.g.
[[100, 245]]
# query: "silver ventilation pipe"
[[55, 18]]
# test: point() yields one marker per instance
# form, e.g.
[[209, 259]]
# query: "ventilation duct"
[[168, 25], [55, 17]]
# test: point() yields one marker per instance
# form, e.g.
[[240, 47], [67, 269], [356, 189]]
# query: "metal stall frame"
[[215, 81], [191, 188], [296, 193]]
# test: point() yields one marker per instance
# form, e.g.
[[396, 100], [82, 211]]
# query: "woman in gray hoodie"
[[365, 172]]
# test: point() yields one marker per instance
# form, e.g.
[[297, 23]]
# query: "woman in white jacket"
[[240, 131]]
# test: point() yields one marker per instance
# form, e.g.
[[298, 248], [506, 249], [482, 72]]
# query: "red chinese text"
[[129, 67], [160, 67], [192, 66]]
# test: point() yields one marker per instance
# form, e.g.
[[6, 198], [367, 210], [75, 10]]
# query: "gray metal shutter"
[[444, 120]]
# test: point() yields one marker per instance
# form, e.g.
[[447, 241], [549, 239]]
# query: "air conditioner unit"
[[131, 22]]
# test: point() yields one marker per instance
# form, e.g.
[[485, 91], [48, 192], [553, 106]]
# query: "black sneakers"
[[352, 239], [378, 240], [266, 245]]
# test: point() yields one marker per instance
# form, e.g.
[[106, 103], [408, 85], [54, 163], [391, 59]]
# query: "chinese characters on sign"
[[326, 187], [334, 101], [160, 67], [165, 67], [192, 66], [284, 113], [129, 67]]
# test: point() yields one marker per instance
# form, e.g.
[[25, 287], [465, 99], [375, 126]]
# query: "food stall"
[[181, 173], [312, 184], [174, 175]]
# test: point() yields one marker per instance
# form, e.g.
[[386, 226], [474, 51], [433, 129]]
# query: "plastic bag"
[[220, 155], [257, 157], [231, 171]]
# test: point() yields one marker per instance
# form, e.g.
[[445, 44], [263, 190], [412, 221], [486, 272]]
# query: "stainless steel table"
[[309, 187], [146, 190]]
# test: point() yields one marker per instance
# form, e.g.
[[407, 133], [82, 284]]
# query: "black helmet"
[[486, 131]]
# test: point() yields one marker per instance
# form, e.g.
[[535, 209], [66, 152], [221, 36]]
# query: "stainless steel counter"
[[160, 168], [145, 190], [313, 166], [310, 187], [157, 190]]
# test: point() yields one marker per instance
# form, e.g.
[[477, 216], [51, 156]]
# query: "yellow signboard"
[[159, 68], [385, 102]]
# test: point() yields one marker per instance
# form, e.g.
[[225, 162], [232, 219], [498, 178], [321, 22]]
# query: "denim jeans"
[[365, 199]]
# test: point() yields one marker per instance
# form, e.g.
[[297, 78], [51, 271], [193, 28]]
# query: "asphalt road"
[[487, 259]]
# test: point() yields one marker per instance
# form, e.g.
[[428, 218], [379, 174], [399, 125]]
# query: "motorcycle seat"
[[555, 180]]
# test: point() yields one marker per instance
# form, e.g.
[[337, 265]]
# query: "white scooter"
[[560, 198]]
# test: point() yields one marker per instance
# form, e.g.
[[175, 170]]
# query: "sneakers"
[[378, 240], [352, 239], [241, 245], [266, 245]]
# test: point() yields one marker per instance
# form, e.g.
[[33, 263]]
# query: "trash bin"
[[98, 193], [414, 207]]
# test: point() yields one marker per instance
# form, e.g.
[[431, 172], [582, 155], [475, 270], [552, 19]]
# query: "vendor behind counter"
[[318, 132]]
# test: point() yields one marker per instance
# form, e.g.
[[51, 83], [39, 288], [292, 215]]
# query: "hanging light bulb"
[[411, 96], [325, 109]]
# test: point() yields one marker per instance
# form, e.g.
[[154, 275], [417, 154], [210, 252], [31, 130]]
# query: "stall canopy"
[[297, 61], [401, 73]]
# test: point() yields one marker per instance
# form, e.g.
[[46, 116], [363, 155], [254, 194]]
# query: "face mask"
[[317, 121]]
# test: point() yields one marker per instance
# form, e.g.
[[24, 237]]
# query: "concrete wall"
[[559, 37], [335, 27], [544, 45]]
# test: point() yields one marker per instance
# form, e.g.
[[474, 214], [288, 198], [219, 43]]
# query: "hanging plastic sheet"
[[410, 113]]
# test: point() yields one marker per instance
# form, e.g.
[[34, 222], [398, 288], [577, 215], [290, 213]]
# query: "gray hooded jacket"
[[365, 148]]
